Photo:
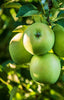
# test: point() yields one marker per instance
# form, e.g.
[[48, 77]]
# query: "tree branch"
[[50, 4]]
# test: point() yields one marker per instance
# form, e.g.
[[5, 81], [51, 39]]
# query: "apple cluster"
[[34, 46]]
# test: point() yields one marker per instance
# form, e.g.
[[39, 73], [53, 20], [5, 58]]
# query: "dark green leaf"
[[63, 78], [62, 62], [27, 10], [60, 21], [61, 14]]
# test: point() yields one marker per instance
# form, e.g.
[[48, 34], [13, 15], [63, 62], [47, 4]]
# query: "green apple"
[[38, 38], [58, 47], [17, 51], [45, 69]]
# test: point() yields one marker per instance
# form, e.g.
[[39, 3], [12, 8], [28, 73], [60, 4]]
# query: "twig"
[[50, 5], [6, 83]]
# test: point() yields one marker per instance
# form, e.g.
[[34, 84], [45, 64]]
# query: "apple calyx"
[[38, 34]]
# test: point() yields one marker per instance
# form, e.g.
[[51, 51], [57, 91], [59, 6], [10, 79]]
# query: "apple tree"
[[23, 50]]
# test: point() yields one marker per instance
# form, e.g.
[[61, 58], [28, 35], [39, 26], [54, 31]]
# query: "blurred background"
[[15, 80]]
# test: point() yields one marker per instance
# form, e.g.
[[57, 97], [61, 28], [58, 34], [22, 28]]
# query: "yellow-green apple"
[[17, 51], [38, 38], [46, 68], [58, 47]]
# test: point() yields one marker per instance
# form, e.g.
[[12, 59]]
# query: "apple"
[[38, 38], [45, 69], [58, 47], [17, 51]]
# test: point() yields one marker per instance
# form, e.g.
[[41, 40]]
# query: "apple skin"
[[17, 51], [58, 47], [38, 39], [45, 69]]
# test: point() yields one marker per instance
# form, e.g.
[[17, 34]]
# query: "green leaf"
[[13, 93], [27, 10], [20, 28], [55, 3], [53, 14], [60, 1], [37, 18], [62, 62], [63, 78], [61, 14], [11, 5], [1, 67], [60, 21]]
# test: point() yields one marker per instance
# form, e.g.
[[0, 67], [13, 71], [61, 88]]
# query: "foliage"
[[15, 80]]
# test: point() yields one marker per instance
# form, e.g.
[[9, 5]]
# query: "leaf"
[[20, 28], [63, 78], [62, 62], [60, 21], [27, 10], [13, 93], [53, 14], [11, 5], [37, 18], [55, 3], [61, 14], [60, 1], [1, 67]]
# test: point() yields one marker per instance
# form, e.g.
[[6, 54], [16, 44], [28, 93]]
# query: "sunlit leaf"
[[20, 28], [11, 5], [1, 68]]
